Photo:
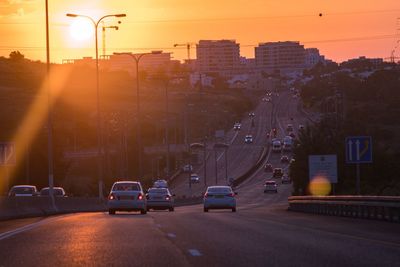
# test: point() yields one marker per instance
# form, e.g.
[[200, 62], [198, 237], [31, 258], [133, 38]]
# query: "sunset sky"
[[347, 29]]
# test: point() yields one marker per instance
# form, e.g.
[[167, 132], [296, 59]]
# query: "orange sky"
[[161, 23]]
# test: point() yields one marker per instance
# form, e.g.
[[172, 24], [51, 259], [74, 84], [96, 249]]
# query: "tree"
[[16, 56]]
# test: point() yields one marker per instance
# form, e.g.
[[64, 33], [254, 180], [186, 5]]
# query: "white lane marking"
[[171, 235], [194, 252], [26, 228]]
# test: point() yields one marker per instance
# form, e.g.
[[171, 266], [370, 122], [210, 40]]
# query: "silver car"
[[160, 198], [127, 196], [270, 186], [23, 191], [219, 197]]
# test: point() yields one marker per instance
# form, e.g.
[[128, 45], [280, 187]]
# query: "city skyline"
[[344, 30]]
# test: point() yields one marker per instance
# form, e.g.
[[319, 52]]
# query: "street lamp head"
[[72, 15], [120, 15]]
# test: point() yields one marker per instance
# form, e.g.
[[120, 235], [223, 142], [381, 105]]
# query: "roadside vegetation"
[[360, 100]]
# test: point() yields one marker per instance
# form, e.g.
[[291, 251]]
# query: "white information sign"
[[323, 165]]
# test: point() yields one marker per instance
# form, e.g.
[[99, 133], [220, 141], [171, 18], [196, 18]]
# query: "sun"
[[81, 29]]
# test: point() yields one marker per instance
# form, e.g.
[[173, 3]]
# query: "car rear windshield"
[[270, 183], [126, 187], [57, 192], [219, 190], [158, 190], [23, 190]]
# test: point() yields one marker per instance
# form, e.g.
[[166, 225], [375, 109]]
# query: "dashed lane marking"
[[195, 252]]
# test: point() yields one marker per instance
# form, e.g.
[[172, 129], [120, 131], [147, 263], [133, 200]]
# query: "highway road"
[[278, 113], [261, 233]]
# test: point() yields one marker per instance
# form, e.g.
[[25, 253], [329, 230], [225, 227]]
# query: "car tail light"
[[231, 195], [140, 197], [111, 197]]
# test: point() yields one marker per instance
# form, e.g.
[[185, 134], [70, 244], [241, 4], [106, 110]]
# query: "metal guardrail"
[[385, 208]]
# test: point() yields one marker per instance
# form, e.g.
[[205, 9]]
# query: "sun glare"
[[81, 29]]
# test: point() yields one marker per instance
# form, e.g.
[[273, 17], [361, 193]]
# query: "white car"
[[187, 168], [126, 196], [248, 139], [160, 184], [237, 126], [23, 191], [160, 199], [194, 178], [270, 186], [219, 197]]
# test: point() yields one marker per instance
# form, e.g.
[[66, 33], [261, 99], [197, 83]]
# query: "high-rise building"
[[218, 56], [280, 56]]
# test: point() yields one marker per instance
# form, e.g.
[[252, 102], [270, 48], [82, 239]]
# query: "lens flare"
[[320, 186]]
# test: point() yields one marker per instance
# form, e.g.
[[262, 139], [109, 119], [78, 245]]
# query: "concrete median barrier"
[[23, 207]]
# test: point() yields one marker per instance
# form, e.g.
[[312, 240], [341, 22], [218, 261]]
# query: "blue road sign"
[[358, 149]]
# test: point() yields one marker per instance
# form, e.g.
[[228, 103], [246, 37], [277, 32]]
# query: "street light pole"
[[136, 58], [49, 116], [99, 126], [167, 128]]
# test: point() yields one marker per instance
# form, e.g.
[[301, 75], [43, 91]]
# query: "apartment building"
[[284, 57], [218, 56]]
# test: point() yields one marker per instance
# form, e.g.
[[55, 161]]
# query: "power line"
[[362, 38], [196, 20]]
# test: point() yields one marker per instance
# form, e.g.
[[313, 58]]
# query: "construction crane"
[[188, 46], [104, 35]]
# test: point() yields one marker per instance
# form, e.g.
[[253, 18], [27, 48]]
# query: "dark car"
[[160, 199], [268, 167], [292, 135], [286, 179], [237, 126], [277, 173]]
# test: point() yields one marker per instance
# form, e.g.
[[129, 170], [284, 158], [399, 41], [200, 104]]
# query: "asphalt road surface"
[[261, 233]]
